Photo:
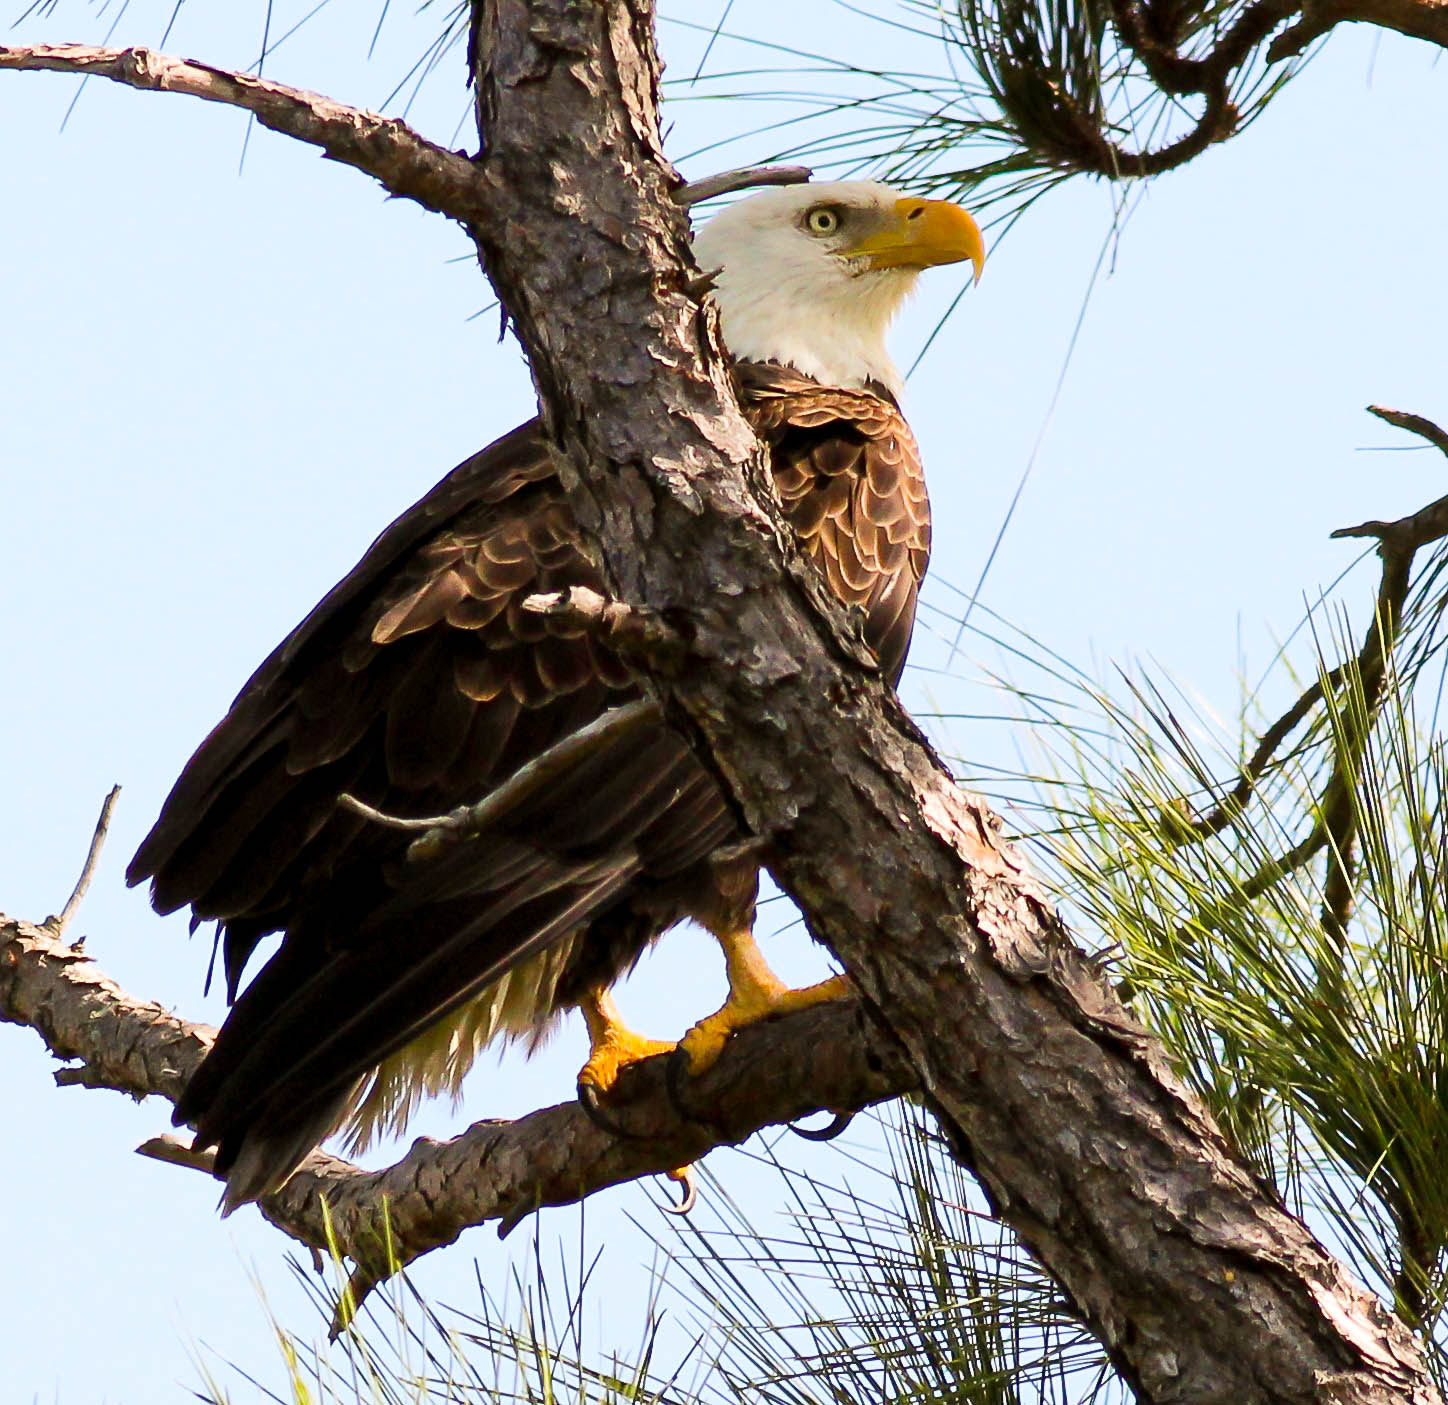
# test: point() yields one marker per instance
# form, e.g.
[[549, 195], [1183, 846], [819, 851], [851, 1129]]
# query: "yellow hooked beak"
[[921, 234]]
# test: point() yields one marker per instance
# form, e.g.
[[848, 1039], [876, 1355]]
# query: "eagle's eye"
[[823, 219]]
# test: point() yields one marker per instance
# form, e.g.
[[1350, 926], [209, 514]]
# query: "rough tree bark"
[[1201, 1286]]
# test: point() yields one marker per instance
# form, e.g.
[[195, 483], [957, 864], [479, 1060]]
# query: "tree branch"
[[1209, 77], [124, 1044], [1418, 19], [407, 164], [827, 1059], [745, 178], [402, 160], [1358, 689]]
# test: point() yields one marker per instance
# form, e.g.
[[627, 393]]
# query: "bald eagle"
[[420, 683]]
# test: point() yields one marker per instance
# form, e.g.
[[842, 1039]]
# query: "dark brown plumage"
[[419, 684]]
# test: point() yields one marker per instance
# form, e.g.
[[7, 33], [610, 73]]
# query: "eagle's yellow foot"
[[612, 1047], [755, 993]]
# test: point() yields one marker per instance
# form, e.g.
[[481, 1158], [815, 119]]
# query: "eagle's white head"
[[812, 275]]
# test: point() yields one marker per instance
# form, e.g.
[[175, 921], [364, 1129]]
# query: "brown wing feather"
[[849, 475], [419, 684]]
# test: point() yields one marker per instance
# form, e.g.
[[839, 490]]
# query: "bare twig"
[[412, 823], [176, 1152], [745, 178], [527, 780], [1419, 529], [87, 872], [1414, 424]]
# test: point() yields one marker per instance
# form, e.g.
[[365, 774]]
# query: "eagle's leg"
[[612, 1046], [755, 993]]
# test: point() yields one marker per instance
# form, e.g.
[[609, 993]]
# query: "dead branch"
[[1414, 424], [467, 820], [1418, 19], [405, 162], [122, 1043], [746, 178], [87, 871]]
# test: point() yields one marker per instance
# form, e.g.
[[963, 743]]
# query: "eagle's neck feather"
[[832, 330]]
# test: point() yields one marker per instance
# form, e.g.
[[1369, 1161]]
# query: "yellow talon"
[[755, 993], [612, 1044]]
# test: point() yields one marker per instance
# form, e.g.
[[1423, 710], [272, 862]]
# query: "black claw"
[[597, 1112], [828, 1132]]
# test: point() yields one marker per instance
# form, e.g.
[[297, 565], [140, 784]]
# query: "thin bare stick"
[[1414, 424], [525, 781], [176, 1152], [419, 823], [745, 178], [82, 884]]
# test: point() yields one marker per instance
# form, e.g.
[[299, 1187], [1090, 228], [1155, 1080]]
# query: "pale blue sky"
[[217, 386]]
